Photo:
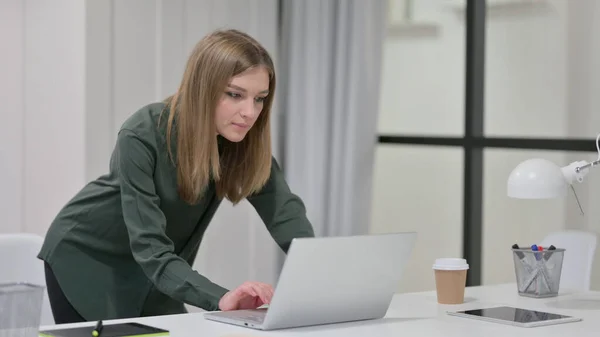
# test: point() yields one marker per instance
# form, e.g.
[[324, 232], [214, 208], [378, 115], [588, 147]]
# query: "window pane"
[[422, 84], [420, 189], [507, 221], [542, 58]]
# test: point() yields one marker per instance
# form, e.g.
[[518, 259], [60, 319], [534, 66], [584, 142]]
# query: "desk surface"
[[417, 314]]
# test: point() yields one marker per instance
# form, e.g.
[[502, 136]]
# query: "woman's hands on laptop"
[[249, 295]]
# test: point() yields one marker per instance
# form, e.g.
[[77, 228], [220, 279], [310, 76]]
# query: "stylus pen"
[[98, 329]]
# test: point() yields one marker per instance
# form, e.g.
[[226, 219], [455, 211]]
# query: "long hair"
[[243, 167]]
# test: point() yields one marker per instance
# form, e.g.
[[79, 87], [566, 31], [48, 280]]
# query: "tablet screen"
[[516, 315]]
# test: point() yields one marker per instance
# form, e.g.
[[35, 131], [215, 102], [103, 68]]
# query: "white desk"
[[417, 314]]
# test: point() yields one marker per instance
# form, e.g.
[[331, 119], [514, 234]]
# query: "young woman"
[[124, 245]]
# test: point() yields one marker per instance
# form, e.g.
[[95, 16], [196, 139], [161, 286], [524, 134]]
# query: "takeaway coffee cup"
[[450, 280]]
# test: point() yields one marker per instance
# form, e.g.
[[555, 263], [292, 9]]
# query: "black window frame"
[[474, 140]]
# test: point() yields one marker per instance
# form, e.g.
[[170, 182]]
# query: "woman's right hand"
[[249, 295]]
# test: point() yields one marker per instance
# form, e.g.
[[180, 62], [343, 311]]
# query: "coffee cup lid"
[[450, 264]]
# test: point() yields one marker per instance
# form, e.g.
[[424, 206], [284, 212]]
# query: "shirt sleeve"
[[146, 224], [283, 212]]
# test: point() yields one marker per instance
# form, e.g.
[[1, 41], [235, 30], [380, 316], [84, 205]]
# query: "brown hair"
[[243, 167]]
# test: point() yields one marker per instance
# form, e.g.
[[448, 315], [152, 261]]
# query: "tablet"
[[516, 316], [110, 330]]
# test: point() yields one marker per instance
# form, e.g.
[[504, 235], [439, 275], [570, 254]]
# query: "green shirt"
[[124, 245]]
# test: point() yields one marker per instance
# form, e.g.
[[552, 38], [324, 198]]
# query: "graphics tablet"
[[112, 330], [515, 316]]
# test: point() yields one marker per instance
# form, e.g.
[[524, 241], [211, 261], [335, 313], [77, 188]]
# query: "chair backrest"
[[579, 257], [19, 263]]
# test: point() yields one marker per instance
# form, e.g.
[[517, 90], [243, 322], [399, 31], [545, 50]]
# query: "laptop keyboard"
[[257, 316], [254, 318]]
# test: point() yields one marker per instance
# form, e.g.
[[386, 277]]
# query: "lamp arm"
[[586, 166], [577, 170]]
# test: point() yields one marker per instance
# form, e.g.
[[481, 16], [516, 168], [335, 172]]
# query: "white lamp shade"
[[537, 179]]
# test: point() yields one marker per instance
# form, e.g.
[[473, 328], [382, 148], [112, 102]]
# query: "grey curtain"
[[331, 56]]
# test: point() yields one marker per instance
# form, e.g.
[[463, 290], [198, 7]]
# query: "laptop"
[[331, 280]]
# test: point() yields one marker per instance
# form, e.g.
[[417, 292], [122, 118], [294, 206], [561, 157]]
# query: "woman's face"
[[242, 103]]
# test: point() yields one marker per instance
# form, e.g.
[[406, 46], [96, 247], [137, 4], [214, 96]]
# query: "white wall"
[[541, 61], [11, 128], [42, 131], [74, 70]]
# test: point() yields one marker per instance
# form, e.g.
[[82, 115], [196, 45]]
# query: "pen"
[[535, 249], [528, 269], [541, 267], [548, 255], [98, 329], [520, 255]]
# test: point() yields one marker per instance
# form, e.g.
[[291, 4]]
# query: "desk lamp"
[[542, 179]]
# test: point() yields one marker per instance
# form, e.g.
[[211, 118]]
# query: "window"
[[470, 90]]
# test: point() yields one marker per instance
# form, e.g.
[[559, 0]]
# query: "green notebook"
[[110, 330]]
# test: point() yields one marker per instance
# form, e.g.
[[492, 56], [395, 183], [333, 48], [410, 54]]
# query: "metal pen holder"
[[538, 273], [20, 309]]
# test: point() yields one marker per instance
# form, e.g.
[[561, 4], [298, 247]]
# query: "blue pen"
[[535, 249]]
